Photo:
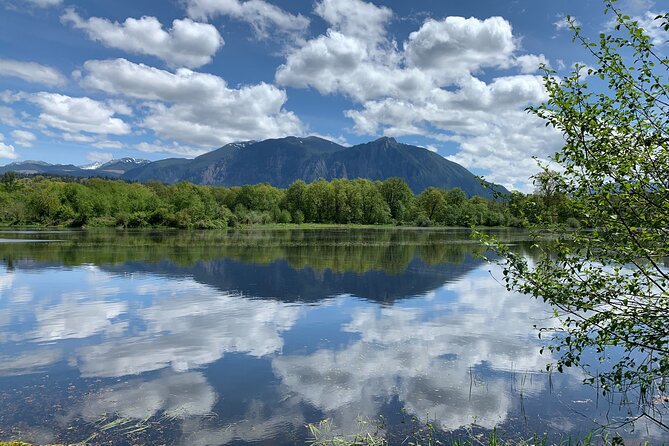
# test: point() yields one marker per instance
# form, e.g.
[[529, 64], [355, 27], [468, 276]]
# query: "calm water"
[[211, 338]]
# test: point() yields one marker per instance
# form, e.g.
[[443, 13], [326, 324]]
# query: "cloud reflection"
[[189, 326], [441, 360]]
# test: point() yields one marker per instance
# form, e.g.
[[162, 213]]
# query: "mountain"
[[112, 169], [280, 162]]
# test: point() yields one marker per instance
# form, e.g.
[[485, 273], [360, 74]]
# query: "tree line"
[[97, 202]]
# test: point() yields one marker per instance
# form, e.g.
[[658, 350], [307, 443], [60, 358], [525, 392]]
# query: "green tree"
[[432, 203], [398, 195], [609, 285]]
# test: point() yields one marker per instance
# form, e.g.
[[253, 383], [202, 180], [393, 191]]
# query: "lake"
[[244, 337]]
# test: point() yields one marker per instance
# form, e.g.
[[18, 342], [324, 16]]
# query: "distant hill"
[[280, 162], [112, 169]]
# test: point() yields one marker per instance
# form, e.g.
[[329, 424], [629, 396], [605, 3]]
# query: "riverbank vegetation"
[[96, 202], [610, 285]]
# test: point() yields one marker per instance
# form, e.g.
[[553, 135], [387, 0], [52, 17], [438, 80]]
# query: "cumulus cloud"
[[429, 85], [530, 63], [355, 18], [23, 138], [263, 17], [31, 72], [7, 151], [456, 46], [196, 109], [187, 43], [76, 114]]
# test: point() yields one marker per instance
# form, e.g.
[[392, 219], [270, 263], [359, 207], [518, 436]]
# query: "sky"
[[88, 81]]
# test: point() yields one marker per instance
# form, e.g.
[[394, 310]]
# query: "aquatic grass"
[[324, 433]]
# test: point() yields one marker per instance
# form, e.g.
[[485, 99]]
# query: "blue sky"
[[86, 81]]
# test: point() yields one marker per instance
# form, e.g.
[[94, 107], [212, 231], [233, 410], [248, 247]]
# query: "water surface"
[[212, 338]]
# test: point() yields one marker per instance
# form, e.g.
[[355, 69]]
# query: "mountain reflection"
[[267, 334]]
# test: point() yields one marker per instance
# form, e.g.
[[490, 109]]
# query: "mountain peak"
[[386, 140]]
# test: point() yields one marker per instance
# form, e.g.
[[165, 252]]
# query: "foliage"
[[609, 284], [99, 202]]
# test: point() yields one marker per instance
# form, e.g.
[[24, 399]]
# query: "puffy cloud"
[[530, 63], [75, 115], [23, 138], [31, 72], [455, 46], [429, 87], [261, 15], [195, 108], [7, 150], [187, 43], [355, 18]]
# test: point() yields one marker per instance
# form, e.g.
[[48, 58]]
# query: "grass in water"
[[324, 433]]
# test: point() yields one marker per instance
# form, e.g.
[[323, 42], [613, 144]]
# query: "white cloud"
[[7, 117], [108, 144], [263, 17], [195, 109], [429, 87], [530, 63], [31, 72], [77, 137], [175, 149], [7, 151], [653, 28], [45, 3], [77, 114], [455, 46], [23, 138], [355, 18], [187, 43], [99, 157], [563, 23]]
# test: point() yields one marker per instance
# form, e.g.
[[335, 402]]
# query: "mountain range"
[[280, 162]]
